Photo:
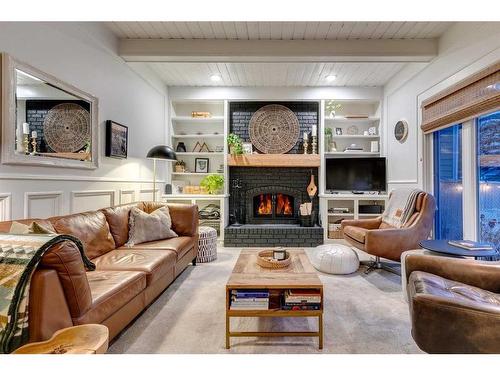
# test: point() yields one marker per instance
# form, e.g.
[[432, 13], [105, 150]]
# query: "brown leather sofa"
[[454, 304], [126, 280], [384, 241]]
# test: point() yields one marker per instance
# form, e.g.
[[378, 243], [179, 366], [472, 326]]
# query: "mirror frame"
[[8, 82]]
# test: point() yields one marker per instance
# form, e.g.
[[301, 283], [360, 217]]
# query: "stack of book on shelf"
[[301, 299], [247, 299]]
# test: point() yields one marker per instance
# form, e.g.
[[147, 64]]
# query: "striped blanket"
[[400, 207], [19, 257]]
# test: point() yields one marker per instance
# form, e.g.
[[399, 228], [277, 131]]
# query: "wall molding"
[[124, 192], [91, 193], [74, 178], [56, 197], [5, 206]]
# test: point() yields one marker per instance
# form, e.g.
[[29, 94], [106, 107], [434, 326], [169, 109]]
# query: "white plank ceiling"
[[275, 74], [278, 30]]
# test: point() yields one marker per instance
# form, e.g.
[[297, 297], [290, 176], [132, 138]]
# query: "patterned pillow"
[[144, 227]]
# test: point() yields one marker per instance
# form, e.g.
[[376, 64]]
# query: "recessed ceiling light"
[[215, 78], [331, 77]]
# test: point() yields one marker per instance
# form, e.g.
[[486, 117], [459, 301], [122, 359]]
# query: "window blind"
[[471, 97]]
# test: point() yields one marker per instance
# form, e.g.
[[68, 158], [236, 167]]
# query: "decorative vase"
[[181, 147]]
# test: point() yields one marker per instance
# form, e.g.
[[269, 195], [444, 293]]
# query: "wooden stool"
[[207, 245], [83, 339]]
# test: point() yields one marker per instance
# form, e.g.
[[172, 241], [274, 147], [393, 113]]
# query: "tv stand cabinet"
[[351, 202]]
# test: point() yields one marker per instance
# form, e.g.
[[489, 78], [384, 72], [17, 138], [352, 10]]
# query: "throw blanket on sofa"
[[400, 207], [19, 257]]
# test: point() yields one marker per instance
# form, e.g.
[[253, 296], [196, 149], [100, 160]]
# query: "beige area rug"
[[363, 314]]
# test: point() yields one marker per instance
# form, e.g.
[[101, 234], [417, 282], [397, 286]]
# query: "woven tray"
[[265, 259]]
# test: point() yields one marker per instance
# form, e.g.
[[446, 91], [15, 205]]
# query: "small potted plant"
[[235, 144], [213, 183]]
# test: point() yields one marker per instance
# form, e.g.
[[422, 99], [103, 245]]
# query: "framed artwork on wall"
[[116, 140], [201, 165]]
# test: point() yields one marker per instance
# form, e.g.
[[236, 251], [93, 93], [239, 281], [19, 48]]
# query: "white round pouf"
[[207, 245], [335, 259]]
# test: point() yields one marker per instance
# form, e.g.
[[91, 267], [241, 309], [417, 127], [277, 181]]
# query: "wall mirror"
[[45, 121]]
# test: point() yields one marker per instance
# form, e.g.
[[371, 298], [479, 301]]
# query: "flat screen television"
[[356, 174]]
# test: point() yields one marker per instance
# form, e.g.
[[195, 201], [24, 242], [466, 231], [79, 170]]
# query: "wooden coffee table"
[[247, 274]]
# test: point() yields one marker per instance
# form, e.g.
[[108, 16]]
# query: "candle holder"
[[26, 143], [306, 146], [314, 145], [33, 143]]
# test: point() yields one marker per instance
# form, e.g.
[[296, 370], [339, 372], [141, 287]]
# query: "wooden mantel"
[[273, 160]]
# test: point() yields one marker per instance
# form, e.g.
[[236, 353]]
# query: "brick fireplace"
[[265, 205]]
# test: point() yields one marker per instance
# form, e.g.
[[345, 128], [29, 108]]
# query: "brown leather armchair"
[[377, 238], [454, 304]]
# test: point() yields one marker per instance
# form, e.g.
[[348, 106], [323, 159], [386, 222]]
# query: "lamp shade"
[[162, 152]]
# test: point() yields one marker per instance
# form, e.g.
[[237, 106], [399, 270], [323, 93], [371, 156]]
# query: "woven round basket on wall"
[[66, 127], [274, 129]]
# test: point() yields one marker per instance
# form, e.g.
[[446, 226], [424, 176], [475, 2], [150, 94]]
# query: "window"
[[448, 187], [488, 175]]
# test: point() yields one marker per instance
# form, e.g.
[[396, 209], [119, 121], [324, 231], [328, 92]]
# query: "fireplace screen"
[[273, 205]]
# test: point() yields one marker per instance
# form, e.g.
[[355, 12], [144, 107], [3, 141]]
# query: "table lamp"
[[160, 152]]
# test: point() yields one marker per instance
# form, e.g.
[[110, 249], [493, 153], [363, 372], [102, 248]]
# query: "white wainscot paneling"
[[5, 206], [126, 196], [147, 194], [90, 200], [42, 204]]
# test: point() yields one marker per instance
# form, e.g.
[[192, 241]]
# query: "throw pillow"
[[37, 228], [19, 228], [34, 228], [144, 227]]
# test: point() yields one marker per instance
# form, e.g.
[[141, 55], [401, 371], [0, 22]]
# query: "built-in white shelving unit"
[[190, 131], [353, 121]]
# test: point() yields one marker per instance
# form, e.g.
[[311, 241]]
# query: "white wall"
[[85, 55], [463, 45]]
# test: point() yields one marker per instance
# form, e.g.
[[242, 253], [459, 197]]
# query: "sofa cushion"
[[356, 233], [180, 245], [456, 293], [91, 228], [111, 290], [154, 263], [145, 227], [117, 218]]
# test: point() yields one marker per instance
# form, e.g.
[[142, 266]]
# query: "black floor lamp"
[[160, 152]]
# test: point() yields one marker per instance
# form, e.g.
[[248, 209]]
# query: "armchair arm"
[[484, 275], [184, 218], [392, 242], [365, 223]]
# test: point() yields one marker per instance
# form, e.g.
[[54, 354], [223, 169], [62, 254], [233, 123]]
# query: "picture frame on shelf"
[[338, 131], [247, 147], [116, 140], [201, 165]]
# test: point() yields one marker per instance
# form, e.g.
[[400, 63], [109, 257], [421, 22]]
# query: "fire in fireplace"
[[273, 205]]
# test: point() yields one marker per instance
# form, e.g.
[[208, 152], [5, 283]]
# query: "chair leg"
[[378, 265], [194, 261]]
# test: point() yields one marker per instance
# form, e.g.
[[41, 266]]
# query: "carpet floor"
[[363, 314]]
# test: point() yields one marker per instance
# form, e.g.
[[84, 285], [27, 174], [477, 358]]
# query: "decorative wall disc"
[[67, 127], [401, 131], [274, 129]]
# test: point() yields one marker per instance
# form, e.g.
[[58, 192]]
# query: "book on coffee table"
[[470, 245]]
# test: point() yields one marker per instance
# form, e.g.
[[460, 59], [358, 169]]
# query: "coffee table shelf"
[[247, 274]]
